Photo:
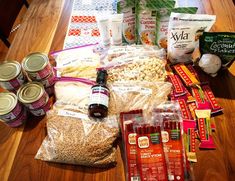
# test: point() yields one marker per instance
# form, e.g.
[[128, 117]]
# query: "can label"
[[13, 114], [99, 95], [14, 83], [20, 120], [49, 81], [50, 90], [41, 111], [41, 74], [39, 103]]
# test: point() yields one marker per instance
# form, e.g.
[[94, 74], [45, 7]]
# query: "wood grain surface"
[[19, 146]]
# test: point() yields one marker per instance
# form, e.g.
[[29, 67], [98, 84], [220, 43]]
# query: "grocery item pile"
[[139, 80]]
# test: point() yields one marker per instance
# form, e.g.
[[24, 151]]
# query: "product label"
[[151, 158], [147, 27], [132, 139], [128, 26], [99, 95], [181, 41], [133, 89], [72, 114], [210, 97], [184, 109], [178, 86], [174, 154], [188, 78], [204, 128]]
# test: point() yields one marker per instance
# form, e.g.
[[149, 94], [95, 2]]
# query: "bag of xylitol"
[[162, 22], [146, 19], [184, 31]]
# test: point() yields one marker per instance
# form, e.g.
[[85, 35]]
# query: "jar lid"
[[30, 92], [35, 62], [9, 70], [8, 102]]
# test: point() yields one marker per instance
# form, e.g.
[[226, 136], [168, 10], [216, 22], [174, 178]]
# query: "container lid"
[[9, 70], [35, 62], [8, 102], [30, 92]]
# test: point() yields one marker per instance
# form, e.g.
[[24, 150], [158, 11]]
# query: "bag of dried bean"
[[74, 138]]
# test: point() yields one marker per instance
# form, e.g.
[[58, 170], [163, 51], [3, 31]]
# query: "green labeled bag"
[[221, 44], [146, 19], [127, 8], [162, 21]]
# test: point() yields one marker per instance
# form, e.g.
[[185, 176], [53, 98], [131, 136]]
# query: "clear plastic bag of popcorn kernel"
[[144, 66], [74, 138]]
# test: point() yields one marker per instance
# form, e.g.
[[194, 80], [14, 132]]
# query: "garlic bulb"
[[210, 64]]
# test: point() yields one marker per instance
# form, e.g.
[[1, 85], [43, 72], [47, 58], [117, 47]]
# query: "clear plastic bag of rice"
[[74, 138]]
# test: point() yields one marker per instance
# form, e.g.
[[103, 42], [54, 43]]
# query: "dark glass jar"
[[99, 97]]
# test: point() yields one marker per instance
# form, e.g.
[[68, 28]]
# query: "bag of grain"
[[74, 138]]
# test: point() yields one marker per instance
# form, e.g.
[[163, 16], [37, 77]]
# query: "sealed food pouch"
[[190, 139], [80, 62], [221, 44], [162, 22], [127, 8], [146, 19], [150, 154], [204, 127], [72, 94], [74, 138], [172, 137], [128, 121], [183, 34]]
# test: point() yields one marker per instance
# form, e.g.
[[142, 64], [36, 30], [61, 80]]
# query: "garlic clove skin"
[[210, 64]]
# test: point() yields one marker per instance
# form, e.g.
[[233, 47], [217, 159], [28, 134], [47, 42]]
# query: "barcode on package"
[[135, 178]]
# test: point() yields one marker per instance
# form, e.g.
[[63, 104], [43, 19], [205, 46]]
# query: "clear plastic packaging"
[[74, 138], [169, 116], [127, 96], [72, 94], [137, 66], [117, 54], [80, 62]]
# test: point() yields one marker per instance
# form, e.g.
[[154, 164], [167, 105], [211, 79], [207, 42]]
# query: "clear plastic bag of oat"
[[74, 138], [126, 96]]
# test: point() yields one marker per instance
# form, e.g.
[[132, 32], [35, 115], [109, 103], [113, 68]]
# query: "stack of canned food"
[[38, 68], [32, 96]]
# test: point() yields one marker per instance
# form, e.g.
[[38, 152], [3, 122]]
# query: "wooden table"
[[43, 29]]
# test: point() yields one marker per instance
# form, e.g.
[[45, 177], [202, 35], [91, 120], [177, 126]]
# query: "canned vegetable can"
[[11, 75], [42, 110], [32, 95], [10, 108], [37, 66], [21, 119]]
